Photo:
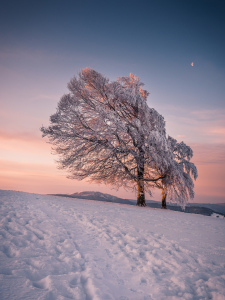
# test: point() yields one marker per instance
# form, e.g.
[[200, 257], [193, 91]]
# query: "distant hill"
[[197, 208], [194, 208], [218, 207], [89, 195]]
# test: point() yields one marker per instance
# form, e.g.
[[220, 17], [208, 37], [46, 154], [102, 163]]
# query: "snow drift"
[[62, 248]]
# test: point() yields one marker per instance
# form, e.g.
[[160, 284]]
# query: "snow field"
[[62, 248]]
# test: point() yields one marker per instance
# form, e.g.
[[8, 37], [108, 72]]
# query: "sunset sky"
[[176, 48]]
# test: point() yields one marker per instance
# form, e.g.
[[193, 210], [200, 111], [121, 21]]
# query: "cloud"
[[17, 167], [210, 180], [26, 147], [180, 136], [218, 131], [210, 162], [209, 114], [8, 53], [205, 154], [42, 97], [33, 177], [46, 179], [199, 126], [19, 136]]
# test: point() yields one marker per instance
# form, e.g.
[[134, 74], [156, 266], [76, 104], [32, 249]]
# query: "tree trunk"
[[140, 173], [141, 193], [164, 194]]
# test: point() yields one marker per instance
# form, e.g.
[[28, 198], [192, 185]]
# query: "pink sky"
[[26, 163], [176, 48]]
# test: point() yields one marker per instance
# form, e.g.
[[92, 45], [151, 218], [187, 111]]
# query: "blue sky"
[[45, 43]]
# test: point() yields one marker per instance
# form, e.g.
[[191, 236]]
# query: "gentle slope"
[[62, 248]]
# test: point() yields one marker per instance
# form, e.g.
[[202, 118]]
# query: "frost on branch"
[[104, 131], [177, 184]]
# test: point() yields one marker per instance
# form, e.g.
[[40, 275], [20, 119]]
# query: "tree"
[[105, 131], [177, 182]]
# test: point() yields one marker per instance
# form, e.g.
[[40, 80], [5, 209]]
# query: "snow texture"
[[62, 248]]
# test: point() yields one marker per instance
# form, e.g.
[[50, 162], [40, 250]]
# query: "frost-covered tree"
[[105, 132], [177, 182]]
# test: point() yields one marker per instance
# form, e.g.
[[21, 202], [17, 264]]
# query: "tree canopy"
[[105, 132], [177, 183]]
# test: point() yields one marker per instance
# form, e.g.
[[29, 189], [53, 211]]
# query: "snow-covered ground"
[[62, 248]]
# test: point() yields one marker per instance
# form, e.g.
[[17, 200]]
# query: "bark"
[[164, 194], [140, 175], [141, 194]]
